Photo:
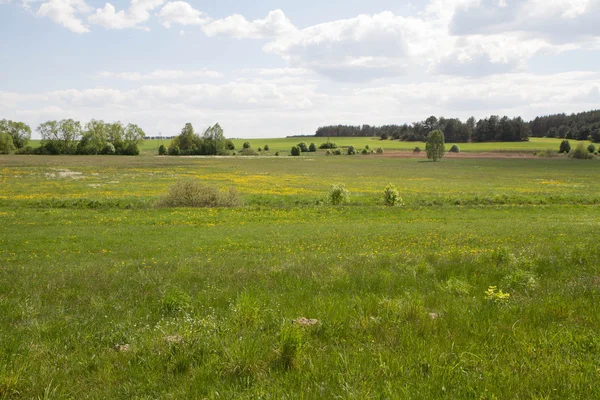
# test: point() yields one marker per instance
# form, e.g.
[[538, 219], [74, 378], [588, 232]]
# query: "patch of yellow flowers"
[[497, 296]]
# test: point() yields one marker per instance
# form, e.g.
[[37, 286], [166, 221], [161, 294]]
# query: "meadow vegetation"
[[483, 284]]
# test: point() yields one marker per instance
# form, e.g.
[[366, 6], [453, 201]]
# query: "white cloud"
[[274, 25], [161, 74], [66, 13], [138, 13], [182, 13]]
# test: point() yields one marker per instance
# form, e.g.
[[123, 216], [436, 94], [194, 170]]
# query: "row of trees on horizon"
[[581, 126]]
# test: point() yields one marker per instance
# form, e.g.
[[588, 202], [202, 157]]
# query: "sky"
[[268, 68]]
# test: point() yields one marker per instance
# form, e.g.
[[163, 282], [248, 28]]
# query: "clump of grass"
[[520, 280], [457, 287], [175, 300], [546, 153], [195, 194]]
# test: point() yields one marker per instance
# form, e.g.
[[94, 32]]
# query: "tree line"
[[580, 126], [70, 137]]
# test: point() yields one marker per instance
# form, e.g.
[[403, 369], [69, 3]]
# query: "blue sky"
[[278, 68]]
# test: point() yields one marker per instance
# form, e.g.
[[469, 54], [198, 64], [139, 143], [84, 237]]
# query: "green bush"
[[328, 145], [581, 153], [435, 147], [546, 153], [195, 194], [247, 145], [234, 153], [249, 151], [338, 195], [351, 151], [175, 300], [337, 152], [591, 148], [454, 149], [303, 147], [380, 150], [266, 147], [162, 150], [328, 152], [174, 151], [312, 148], [365, 151], [391, 197], [417, 150], [296, 151], [277, 154], [565, 147], [229, 145], [6, 144], [259, 149]]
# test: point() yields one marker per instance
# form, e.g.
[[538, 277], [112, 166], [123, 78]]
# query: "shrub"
[[367, 147], [277, 154], [266, 147], [546, 153], [591, 148], [338, 195], [454, 149], [6, 144], [259, 149], [229, 145], [234, 153], [337, 152], [195, 194], [391, 197], [303, 147], [174, 151], [247, 145], [162, 150], [328, 145], [249, 151], [580, 152], [417, 150], [457, 287], [351, 150], [365, 151], [312, 148], [384, 136], [565, 147], [379, 150], [328, 152], [296, 151]]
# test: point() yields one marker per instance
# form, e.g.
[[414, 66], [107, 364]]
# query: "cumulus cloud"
[[275, 24], [161, 74], [138, 13], [182, 13], [66, 13]]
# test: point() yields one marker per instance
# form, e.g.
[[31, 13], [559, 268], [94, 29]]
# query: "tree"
[[19, 132], [94, 139], [435, 145], [214, 141], [60, 137], [6, 143], [565, 147]]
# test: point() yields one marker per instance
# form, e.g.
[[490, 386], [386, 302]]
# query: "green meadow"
[[484, 284]]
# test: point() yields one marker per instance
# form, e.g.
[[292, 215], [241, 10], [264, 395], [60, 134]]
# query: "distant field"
[[285, 144], [104, 296]]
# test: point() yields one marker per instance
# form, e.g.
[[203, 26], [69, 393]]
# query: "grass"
[[103, 296]]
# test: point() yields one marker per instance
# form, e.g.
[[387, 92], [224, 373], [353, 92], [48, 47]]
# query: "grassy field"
[[102, 295]]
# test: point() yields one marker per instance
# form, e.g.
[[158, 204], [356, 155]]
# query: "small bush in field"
[[591, 149], [312, 148], [565, 147], [259, 149], [417, 150], [195, 194], [338, 195], [328, 145], [277, 154], [351, 150], [365, 151], [328, 152], [380, 150], [581, 153], [546, 153], [454, 149], [249, 151], [337, 152], [303, 147], [247, 145], [296, 151], [266, 147], [174, 151], [391, 197], [162, 150]]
